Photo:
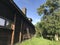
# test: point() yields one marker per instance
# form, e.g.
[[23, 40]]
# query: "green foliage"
[[50, 22], [51, 4], [38, 30]]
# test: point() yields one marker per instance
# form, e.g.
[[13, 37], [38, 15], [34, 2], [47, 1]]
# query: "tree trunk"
[[56, 37]]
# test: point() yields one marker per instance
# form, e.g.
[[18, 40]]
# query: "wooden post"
[[28, 32], [13, 28], [12, 38], [20, 34]]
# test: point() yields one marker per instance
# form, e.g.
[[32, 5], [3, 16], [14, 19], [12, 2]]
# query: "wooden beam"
[[28, 32], [12, 38], [20, 34], [13, 28]]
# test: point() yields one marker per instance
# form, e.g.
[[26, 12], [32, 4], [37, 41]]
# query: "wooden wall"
[[5, 36]]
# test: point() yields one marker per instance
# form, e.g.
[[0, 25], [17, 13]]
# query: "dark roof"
[[15, 9]]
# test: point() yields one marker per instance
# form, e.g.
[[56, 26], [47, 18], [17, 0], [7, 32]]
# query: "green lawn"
[[39, 41]]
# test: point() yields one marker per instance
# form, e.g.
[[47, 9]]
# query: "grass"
[[39, 41]]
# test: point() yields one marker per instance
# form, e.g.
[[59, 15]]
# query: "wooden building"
[[17, 27]]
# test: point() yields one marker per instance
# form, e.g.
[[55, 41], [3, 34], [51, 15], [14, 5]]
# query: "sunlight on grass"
[[39, 41]]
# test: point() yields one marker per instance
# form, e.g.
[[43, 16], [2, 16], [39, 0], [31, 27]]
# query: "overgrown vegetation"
[[39, 41], [50, 22]]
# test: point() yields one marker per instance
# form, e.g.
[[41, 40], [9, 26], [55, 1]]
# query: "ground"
[[39, 41]]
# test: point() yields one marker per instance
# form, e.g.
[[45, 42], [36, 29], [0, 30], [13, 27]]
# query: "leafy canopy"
[[51, 18]]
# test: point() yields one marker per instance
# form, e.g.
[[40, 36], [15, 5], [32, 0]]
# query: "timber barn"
[[17, 27]]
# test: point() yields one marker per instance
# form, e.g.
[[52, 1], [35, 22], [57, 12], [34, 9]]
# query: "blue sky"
[[31, 6], [2, 22]]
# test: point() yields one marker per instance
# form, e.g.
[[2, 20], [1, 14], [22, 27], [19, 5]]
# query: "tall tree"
[[50, 22], [38, 30]]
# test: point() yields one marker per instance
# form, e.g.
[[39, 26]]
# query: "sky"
[[2, 22], [31, 6]]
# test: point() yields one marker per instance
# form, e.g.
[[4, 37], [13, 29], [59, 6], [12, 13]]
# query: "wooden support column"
[[13, 28], [28, 32], [20, 34], [12, 38]]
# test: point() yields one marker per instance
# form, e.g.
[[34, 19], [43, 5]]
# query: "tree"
[[49, 7], [50, 22], [38, 30]]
